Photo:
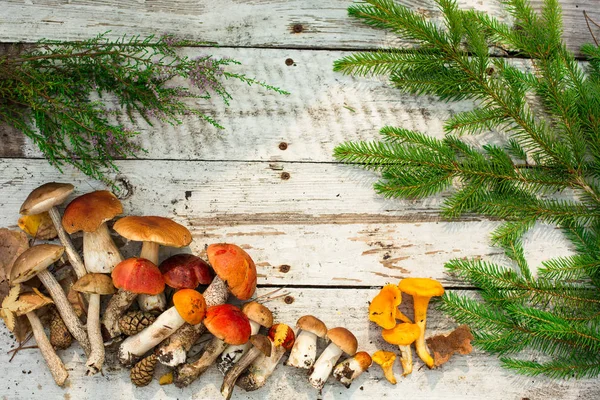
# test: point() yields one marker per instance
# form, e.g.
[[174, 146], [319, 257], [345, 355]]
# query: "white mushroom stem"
[[233, 353], [304, 352], [173, 351], [261, 369], [322, 368], [137, 345], [188, 373], [96, 358], [232, 375], [149, 302], [118, 304], [55, 365], [406, 359], [99, 251], [72, 254], [65, 309]]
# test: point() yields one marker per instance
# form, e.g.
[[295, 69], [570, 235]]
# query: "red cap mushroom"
[[186, 271]]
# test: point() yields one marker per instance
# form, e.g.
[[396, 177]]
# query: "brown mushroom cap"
[[262, 343], [86, 213], [30, 301], [258, 313], [344, 339], [34, 260], [95, 284], [163, 231], [312, 324], [45, 197]]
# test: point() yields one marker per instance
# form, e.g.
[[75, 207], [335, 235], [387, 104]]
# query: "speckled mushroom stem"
[[65, 309], [233, 353], [117, 306], [72, 254], [188, 373], [173, 351], [324, 365], [234, 372], [55, 364], [260, 370], [96, 358], [149, 302]]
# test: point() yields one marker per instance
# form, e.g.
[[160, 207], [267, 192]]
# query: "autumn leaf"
[[12, 244], [444, 346]]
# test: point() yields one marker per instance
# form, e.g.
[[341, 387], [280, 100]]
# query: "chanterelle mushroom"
[[153, 232], [386, 360], [342, 341], [403, 335], [304, 352], [259, 315], [26, 304], [260, 345], [422, 290], [35, 262], [383, 310], [95, 285], [45, 199], [351, 368]]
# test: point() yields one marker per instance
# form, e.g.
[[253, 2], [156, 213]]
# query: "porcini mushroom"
[[35, 262], [351, 368], [342, 341], [386, 360], [304, 352], [422, 290], [259, 315], [229, 325], [132, 277], [95, 285], [403, 335], [236, 273], [89, 213], [260, 344], [282, 339], [383, 310], [16, 304], [188, 306], [45, 199], [153, 232], [186, 271]]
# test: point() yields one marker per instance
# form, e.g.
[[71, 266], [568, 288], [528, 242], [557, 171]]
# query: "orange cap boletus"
[[228, 323], [190, 305], [234, 266], [138, 275]]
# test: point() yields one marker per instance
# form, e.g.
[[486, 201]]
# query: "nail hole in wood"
[[289, 62], [284, 268], [285, 176], [288, 299], [283, 146], [297, 28]]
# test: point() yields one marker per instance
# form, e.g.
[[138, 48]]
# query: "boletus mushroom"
[[260, 344], [153, 232], [16, 304], [403, 335], [229, 325], [259, 315], [422, 290], [132, 277], [45, 199], [342, 341], [35, 262], [236, 273], [304, 352], [95, 285], [186, 271], [351, 368], [188, 306]]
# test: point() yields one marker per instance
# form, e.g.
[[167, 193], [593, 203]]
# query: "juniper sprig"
[[72, 99]]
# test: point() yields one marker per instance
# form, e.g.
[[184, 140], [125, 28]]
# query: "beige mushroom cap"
[[312, 324], [95, 284], [45, 197], [344, 339], [89, 211], [34, 260], [31, 301], [258, 313], [163, 231]]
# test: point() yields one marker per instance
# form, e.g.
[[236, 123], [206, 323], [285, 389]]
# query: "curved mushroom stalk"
[[304, 352], [261, 369], [96, 358], [324, 365], [351, 368], [386, 360], [188, 373], [233, 353], [117, 306], [55, 364], [260, 344]]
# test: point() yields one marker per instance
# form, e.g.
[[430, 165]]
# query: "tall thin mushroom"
[[46, 198], [35, 262], [304, 352]]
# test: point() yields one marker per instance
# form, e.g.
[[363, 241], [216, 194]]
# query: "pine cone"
[[60, 338], [135, 321], [142, 372]]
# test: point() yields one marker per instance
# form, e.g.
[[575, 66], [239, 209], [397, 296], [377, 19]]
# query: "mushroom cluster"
[[384, 311]]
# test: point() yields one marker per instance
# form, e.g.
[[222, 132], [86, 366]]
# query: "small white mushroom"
[[342, 341], [304, 352]]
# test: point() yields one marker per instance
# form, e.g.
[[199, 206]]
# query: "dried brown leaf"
[[444, 346], [12, 244], [39, 226]]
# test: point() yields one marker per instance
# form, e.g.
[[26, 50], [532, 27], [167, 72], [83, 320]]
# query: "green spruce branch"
[[546, 170], [72, 98]]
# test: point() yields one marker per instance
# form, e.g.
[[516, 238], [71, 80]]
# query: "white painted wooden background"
[[340, 240]]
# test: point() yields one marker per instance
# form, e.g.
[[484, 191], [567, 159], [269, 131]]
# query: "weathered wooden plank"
[[257, 23], [475, 376]]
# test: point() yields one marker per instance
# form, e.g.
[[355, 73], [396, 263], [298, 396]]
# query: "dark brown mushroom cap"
[[34, 260], [95, 284], [312, 324], [258, 313], [45, 197], [262, 343], [344, 339], [163, 231], [86, 213]]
